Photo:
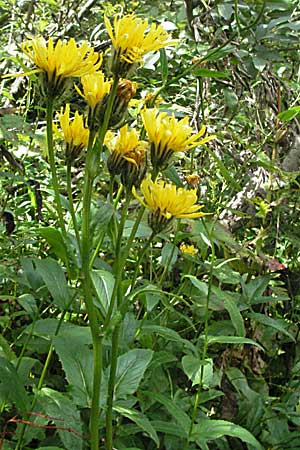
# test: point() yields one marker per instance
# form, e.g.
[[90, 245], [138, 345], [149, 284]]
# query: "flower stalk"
[[53, 168]]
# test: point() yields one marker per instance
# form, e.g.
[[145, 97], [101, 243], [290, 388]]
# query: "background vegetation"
[[212, 337]]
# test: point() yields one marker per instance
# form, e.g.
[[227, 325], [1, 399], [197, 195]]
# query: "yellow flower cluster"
[[188, 249], [132, 38]]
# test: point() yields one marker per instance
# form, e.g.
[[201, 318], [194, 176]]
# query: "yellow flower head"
[[127, 155], [125, 143], [62, 60], [188, 249], [168, 135], [72, 132], [95, 88], [166, 202], [131, 40]]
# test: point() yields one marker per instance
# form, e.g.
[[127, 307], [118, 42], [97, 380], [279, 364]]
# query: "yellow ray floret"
[[64, 59], [95, 87], [169, 201], [73, 131], [168, 133], [126, 143], [131, 39]]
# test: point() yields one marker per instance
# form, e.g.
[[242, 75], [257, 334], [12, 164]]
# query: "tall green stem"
[[71, 203], [120, 267], [53, 168], [87, 289], [92, 161], [108, 111], [115, 334], [121, 257], [111, 387]]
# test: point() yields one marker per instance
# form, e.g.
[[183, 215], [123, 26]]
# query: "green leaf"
[[225, 10], [11, 387], [209, 430], [25, 368], [141, 420], [168, 428], [259, 62], [173, 176], [33, 278], [103, 282], [224, 172], [207, 73], [65, 416], [54, 279], [28, 302], [235, 316], [175, 411], [55, 240], [214, 55], [163, 65], [240, 383], [131, 367], [289, 114], [193, 366], [278, 324], [72, 348], [7, 351], [169, 255], [168, 334], [50, 448], [143, 230], [231, 340]]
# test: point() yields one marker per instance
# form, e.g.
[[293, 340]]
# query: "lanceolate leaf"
[[130, 371], [11, 387], [235, 316], [54, 279], [65, 416], [176, 412], [231, 340], [209, 430], [141, 420]]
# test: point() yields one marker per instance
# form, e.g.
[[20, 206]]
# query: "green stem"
[[92, 159], [116, 295], [87, 289], [71, 203], [137, 264], [169, 260], [111, 387], [53, 168], [120, 267], [115, 334], [107, 115]]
